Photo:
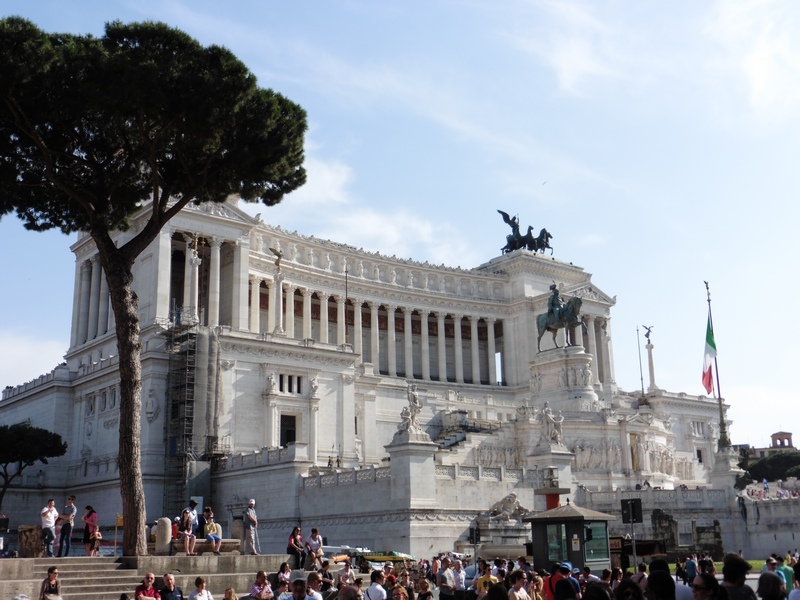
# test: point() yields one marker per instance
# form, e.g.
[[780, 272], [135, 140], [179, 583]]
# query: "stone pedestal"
[[163, 536], [413, 472], [30, 541], [557, 458], [563, 377], [238, 533], [726, 469]]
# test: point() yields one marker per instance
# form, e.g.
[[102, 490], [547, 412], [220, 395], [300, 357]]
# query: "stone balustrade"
[[332, 257], [60, 373], [347, 477], [266, 456], [652, 498]]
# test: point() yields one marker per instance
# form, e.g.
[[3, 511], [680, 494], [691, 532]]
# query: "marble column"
[[271, 309], [608, 351], [651, 367], [94, 298], [272, 422], [459, 349], [577, 333], [289, 322], [358, 330], [187, 273], [102, 309], [194, 283], [440, 346], [375, 338], [491, 351], [278, 304], [213, 283], [323, 317], [425, 345], [593, 349], [85, 294], [407, 343], [391, 340], [600, 359], [474, 346], [255, 305], [341, 323], [76, 305], [241, 278], [306, 293], [313, 429], [161, 275]]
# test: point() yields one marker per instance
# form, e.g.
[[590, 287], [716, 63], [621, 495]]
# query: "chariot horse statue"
[[516, 241], [567, 318]]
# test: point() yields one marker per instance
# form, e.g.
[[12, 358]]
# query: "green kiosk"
[[571, 533]]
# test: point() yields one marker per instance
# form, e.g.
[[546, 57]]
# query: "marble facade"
[[302, 376]]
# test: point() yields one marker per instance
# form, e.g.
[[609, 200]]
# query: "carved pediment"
[[224, 210], [590, 292]]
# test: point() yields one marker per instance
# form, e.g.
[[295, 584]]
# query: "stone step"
[[86, 578], [77, 568], [84, 560], [114, 594]]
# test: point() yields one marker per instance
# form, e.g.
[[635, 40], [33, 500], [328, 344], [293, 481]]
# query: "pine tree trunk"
[[124, 304]]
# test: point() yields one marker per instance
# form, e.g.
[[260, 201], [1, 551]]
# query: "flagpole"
[[724, 441]]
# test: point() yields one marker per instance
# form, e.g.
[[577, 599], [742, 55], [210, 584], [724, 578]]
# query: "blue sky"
[[657, 142]]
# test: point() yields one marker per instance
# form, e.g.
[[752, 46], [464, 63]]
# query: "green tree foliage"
[[141, 121], [22, 446], [778, 465]]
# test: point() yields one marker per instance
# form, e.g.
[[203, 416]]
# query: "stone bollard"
[[237, 533], [31, 541], [163, 536]]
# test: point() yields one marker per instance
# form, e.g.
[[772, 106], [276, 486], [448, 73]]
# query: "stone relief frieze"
[[286, 354], [602, 454], [510, 457]]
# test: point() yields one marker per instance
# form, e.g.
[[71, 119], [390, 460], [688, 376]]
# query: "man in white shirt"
[[49, 516], [346, 576], [314, 584], [445, 581], [251, 526], [376, 590], [192, 508], [459, 576]]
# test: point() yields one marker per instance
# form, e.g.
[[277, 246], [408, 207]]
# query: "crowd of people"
[[778, 492], [499, 580]]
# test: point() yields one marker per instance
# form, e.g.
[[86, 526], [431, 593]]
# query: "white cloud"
[[328, 181], [572, 41], [24, 357], [761, 51], [403, 235]]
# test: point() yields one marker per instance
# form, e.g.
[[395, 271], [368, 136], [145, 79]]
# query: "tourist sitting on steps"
[[185, 531], [212, 533]]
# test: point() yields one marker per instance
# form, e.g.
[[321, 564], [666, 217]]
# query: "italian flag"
[[710, 355]]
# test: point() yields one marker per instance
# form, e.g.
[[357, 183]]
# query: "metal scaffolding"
[[181, 345]]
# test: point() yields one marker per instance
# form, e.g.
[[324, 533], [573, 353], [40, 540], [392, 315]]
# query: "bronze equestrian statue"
[[559, 315]]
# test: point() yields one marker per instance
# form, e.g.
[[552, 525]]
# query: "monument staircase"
[[458, 451], [101, 578], [456, 443], [81, 578]]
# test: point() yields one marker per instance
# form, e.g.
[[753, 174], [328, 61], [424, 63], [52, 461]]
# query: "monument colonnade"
[[398, 322], [436, 327]]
